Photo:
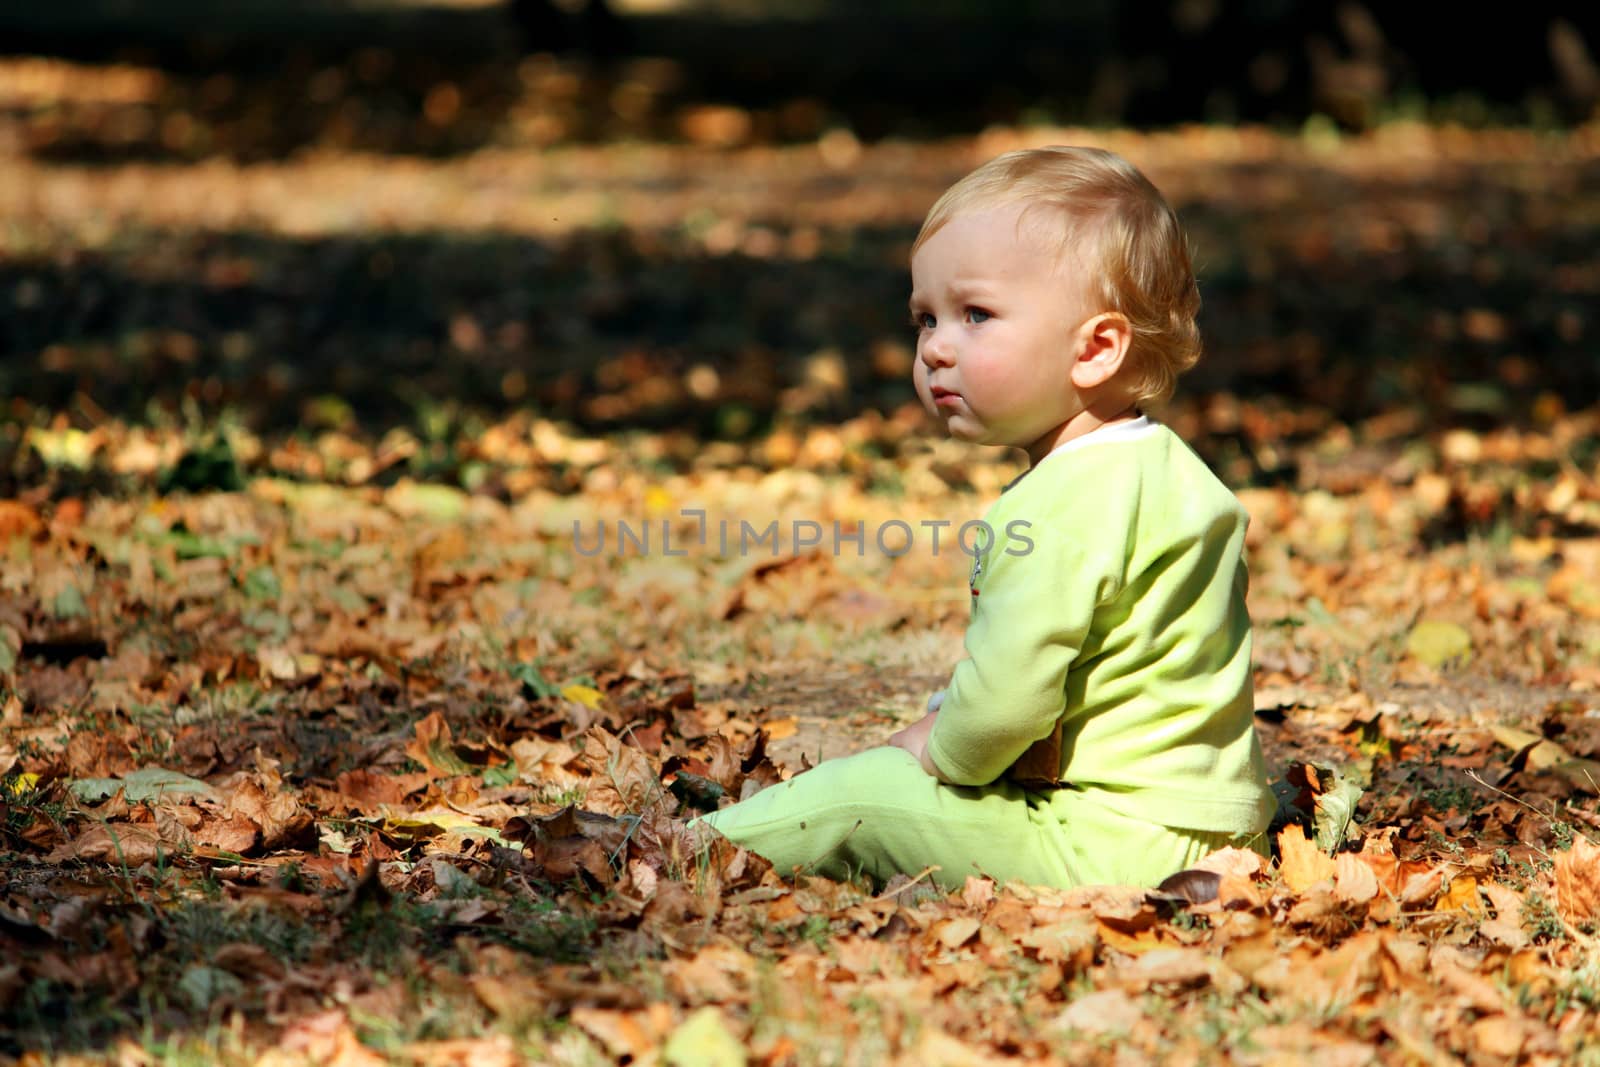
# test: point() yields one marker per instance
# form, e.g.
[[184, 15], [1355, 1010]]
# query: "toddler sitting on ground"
[[1100, 728]]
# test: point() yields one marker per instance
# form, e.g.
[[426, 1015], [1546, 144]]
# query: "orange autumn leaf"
[[1303, 864]]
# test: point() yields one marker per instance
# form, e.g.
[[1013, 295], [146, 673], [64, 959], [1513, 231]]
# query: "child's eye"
[[923, 321], [977, 315]]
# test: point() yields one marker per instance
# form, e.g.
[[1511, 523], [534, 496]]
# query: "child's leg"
[[1108, 848], [879, 813]]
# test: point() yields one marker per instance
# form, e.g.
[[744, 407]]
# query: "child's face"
[[996, 311]]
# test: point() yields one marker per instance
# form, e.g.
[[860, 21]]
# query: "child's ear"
[[1099, 348]]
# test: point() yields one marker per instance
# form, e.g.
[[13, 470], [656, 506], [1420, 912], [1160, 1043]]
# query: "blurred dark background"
[[310, 216], [265, 77]]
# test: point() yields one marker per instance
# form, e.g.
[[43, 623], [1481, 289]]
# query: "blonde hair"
[[1139, 264]]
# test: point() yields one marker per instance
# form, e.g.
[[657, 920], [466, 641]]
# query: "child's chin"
[[969, 434]]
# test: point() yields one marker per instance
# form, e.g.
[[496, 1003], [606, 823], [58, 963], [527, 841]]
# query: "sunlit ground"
[[322, 737]]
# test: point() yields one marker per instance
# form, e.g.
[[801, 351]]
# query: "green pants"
[[878, 813]]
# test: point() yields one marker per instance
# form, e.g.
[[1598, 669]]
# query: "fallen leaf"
[[1234, 862], [1180, 967], [588, 696], [1422, 887], [1354, 881], [703, 1040], [121, 845], [1506, 926], [1301, 863], [1461, 896], [954, 932], [328, 1039], [1102, 1013], [145, 785], [1500, 1037], [1436, 642], [1578, 881], [434, 748], [625, 1033]]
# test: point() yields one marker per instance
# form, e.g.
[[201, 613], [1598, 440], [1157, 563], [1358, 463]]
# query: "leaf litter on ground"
[[333, 763]]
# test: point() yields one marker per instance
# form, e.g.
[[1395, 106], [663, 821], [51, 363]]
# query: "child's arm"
[[1030, 619]]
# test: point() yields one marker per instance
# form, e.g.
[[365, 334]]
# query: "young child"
[[1108, 652]]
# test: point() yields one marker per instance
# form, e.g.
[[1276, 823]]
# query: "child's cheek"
[[919, 380]]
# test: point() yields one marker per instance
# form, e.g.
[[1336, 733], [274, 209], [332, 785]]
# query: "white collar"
[[1131, 430]]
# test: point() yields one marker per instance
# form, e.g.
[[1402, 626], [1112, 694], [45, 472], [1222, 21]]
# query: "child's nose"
[[937, 350]]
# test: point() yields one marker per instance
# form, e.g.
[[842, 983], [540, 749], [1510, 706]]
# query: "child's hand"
[[914, 739]]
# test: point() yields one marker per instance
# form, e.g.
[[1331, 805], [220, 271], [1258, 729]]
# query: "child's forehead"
[[1014, 234]]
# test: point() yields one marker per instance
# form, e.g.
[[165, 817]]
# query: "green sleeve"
[[1031, 614]]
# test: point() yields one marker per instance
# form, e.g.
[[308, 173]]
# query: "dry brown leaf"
[[1459, 971], [626, 1033], [17, 520], [494, 1051], [1132, 942], [1234, 893], [370, 792], [1107, 1012], [717, 974], [1578, 881], [1353, 882], [327, 1038], [937, 1047], [1500, 1037], [283, 822], [1174, 967], [1232, 862], [955, 931], [1070, 941], [511, 995], [236, 834], [623, 780], [977, 893], [1422, 887], [1506, 926], [120, 844]]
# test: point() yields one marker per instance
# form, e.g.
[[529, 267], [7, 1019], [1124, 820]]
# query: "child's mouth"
[[944, 398]]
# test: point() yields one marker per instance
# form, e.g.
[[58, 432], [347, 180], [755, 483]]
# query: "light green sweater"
[[1113, 599]]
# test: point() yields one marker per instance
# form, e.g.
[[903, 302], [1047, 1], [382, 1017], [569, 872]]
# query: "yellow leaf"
[[1462, 896], [417, 824], [588, 696], [1542, 756], [67, 447], [778, 729], [657, 501], [1436, 642], [440, 503], [22, 783], [704, 1040]]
